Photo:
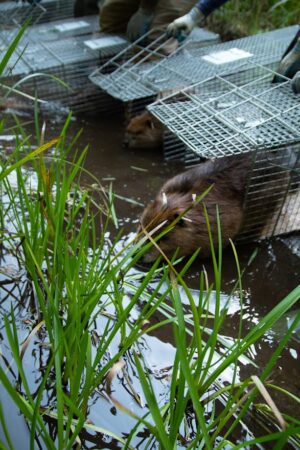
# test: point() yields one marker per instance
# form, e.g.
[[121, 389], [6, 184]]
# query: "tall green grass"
[[198, 365], [238, 18]]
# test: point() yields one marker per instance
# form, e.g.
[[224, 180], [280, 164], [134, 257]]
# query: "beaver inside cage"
[[234, 114], [245, 192]]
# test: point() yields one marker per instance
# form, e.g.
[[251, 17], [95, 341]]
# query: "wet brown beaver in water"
[[13, 103], [144, 132], [228, 176]]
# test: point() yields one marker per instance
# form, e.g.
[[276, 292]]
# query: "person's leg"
[[167, 11], [115, 14]]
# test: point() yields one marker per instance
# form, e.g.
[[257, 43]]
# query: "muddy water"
[[136, 176]]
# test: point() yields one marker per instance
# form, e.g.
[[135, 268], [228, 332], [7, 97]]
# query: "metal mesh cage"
[[71, 60], [238, 113], [233, 113], [272, 203], [59, 29], [129, 75], [57, 10], [14, 13], [141, 72]]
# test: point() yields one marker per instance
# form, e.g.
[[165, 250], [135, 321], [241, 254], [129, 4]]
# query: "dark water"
[[274, 272], [136, 176]]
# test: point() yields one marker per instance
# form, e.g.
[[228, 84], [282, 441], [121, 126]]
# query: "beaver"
[[227, 178], [144, 132]]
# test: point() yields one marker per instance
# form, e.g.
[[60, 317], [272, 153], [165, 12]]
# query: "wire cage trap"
[[51, 31], [234, 114], [141, 73], [14, 13], [123, 76], [57, 10], [34, 69]]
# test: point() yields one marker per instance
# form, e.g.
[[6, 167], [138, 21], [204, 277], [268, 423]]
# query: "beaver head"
[[144, 132], [176, 208], [171, 212]]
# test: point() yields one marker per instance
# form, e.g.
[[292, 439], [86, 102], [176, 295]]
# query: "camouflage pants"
[[115, 14]]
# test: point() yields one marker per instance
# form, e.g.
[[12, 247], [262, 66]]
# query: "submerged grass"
[[84, 291]]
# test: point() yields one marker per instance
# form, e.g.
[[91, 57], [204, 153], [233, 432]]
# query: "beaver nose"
[[144, 262]]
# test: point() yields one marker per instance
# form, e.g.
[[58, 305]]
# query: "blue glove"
[[139, 24]]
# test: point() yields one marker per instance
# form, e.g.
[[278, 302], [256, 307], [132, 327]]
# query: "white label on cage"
[[226, 56], [254, 123], [71, 26], [104, 42], [225, 105]]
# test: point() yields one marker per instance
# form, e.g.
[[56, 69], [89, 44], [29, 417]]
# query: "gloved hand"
[[182, 26], [139, 24]]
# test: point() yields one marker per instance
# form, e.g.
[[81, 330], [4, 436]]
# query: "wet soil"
[[136, 176]]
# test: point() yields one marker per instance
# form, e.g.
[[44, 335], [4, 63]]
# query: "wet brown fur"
[[15, 104], [7, 103], [144, 132], [229, 179]]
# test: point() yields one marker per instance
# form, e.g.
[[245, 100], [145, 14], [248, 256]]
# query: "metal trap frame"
[[14, 13], [57, 10], [140, 73], [51, 31], [272, 203], [121, 76], [71, 60], [237, 113]]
